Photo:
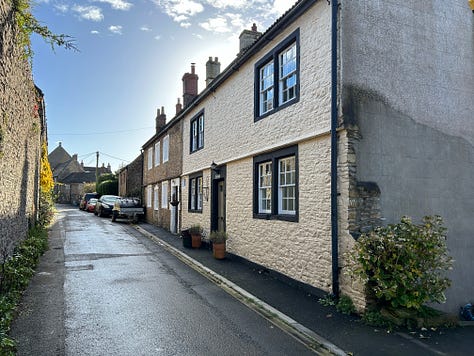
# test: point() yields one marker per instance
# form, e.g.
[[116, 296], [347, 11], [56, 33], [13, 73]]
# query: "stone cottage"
[[70, 176]]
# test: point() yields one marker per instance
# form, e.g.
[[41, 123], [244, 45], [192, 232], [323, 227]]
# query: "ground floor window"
[[276, 185], [195, 193], [155, 197]]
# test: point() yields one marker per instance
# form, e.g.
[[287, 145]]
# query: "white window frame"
[[287, 72], [164, 195], [286, 184], [155, 197], [166, 148], [265, 187], [266, 85], [148, 196], [157, 153], [150, 158]]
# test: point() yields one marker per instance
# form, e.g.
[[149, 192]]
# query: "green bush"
[[403, 265], [15, 273], [108, 187]]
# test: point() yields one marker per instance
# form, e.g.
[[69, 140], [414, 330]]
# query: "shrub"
[[108, 187], [15, 273], [403, 264]]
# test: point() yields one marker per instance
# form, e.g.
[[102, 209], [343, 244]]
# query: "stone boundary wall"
[[20, 132]]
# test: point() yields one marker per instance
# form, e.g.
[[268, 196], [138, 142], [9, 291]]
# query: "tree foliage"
[[46, 175], [404, 265], [28, 24]]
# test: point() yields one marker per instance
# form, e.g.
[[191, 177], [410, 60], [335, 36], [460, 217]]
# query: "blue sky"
[[133, 54]]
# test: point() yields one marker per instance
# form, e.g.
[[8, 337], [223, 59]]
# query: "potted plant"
[[195, 231], [218, 239]]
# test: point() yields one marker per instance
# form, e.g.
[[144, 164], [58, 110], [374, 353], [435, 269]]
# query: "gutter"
[[334, 112]]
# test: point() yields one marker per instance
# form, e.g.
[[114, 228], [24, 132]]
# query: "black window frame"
[[274, 157], [195, 119], [273, 56], [195, 176]]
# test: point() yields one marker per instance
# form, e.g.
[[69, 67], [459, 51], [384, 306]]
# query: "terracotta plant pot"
[[195, 241], [218, 251]]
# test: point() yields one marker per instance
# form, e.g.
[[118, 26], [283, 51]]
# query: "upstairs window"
[[166, 148], [150, 158], [157, 153], [197, 132], [276, 185], [277, 78]]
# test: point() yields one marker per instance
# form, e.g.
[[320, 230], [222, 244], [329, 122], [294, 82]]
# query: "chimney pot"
[[179, 107]]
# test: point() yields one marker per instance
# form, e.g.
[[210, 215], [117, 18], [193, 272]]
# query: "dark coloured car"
[[85, 199], [105, 204]]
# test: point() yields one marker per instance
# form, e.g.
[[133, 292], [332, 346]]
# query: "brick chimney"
[[190, 86], [179, 107], [213, 69], [160, 119], [248, 37]]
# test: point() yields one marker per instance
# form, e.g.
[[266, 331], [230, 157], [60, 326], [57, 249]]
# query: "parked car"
[[90, 206], [105, 204], [85, 199], [127, 208]]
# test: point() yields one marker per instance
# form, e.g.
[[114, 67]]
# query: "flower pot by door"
[[196, 241], [218, 251]]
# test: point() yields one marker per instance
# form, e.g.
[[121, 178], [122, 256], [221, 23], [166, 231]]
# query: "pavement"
[[291, 306], [296, 308]]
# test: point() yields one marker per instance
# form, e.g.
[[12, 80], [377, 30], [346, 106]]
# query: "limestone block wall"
[[20, 130]]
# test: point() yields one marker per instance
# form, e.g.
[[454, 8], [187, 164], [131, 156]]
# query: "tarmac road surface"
[[104, 289]]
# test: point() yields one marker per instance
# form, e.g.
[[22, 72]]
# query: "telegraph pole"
[[97, 170]]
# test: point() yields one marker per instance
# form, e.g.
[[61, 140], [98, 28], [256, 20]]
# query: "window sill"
[[290, 218]]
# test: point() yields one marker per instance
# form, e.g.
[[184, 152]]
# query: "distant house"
[[162, 164], [70, 175], [130, 179]]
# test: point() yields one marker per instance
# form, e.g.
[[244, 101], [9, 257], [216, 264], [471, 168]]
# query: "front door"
[[220, 206], [218, 222]]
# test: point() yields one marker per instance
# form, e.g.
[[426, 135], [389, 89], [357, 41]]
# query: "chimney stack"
[[213, 69], [179, 107], [190, 86], [160, 119], [248, 37]]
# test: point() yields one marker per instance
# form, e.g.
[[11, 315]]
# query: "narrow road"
[[114, 292]]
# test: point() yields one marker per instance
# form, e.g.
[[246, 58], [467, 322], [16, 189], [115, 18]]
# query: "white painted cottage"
[[393, 104]]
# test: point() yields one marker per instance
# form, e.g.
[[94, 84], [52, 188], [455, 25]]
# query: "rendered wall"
[[300, 250], [20, 128], [408, 91]]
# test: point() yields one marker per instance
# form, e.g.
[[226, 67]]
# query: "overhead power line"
[[98, 133]]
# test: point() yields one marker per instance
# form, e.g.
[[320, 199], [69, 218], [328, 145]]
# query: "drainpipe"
[[334, 111]]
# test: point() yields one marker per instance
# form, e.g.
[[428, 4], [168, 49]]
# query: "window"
[[276, 185], [277, 78], [157, 153], [197, 132], [166, 148], [155, 197], [195, 193], [164, 195], [148, 196], [265, 187], [150, 158]]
